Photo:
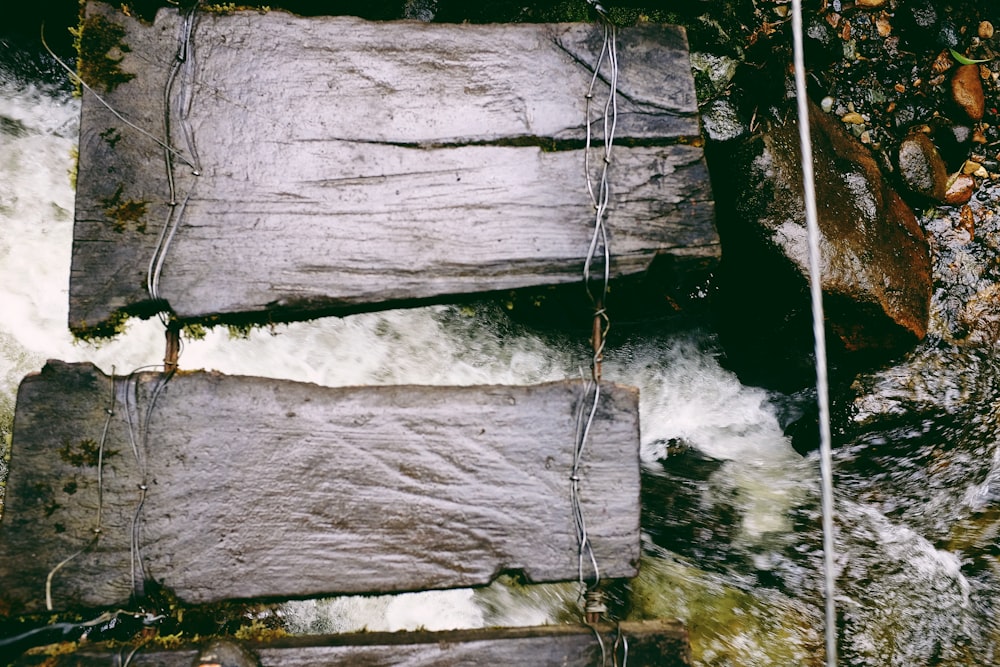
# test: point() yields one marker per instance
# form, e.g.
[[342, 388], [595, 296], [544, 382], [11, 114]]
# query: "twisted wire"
[[598, 249], [98, 520], [183, 63], [620, 641], [140, 449]]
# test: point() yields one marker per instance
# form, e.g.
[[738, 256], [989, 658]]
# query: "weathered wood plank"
[[269, 488], [650, 644], [346, 163]]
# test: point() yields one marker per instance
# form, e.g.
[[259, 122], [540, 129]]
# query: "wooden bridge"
[[264, 165]]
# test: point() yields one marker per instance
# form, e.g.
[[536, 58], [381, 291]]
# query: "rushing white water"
[[685, 393], [745, 575]]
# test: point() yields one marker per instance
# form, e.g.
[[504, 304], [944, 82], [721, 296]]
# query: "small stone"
[[922, 168], [985, 30], [722, 121], [967, 221], [942, 63], [882, 25], [971, 167], [853, 118], [981, 172], [960, 189], [967, 91], [826, 104], [871, 4]]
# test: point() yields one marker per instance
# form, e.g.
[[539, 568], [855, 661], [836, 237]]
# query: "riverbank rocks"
[[876, 263], [922, 168], [967, 91]]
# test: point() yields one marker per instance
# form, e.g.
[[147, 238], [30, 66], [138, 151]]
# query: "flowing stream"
[[730, 516]]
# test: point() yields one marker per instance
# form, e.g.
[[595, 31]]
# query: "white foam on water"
[[685, 392]]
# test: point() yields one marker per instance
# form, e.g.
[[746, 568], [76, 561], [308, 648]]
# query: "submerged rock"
[[876, 263]]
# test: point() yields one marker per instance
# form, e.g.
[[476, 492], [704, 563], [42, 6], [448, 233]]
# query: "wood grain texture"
[[651, 644], [268, 488], [346, 163]]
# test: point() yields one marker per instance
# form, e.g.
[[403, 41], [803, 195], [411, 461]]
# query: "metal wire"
[[819, 333], [140, 450], [622, 641], [83, 84], [98, 520], [599, 250], [183, 61]]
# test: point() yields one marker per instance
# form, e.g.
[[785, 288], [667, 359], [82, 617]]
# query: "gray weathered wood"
[[346, 163], [271, 488], [659, 643]]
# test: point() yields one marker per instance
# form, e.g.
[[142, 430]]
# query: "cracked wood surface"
[[271, 488], [346, 163], [660, 643]]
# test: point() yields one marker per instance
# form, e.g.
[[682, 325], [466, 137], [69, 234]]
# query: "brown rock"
[[870, 4], [985, 30], [922, 168], [967, 91], [960, 189], [876, 275], [967, 221]]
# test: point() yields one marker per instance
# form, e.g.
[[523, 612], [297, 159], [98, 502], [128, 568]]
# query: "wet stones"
[[967, 91], [922, 168], [876, 272], [953, 142], [960, 189]]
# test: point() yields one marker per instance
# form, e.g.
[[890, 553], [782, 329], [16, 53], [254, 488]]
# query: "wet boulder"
[[875, 259]]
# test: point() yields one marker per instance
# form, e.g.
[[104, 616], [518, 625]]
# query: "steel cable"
[[819, 334]]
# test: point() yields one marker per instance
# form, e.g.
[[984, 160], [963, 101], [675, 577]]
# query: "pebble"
[[871, 4], [967, 221], [922, 168], [985, 30], [971, 167], [967, 91], [826, 104], [853, 118], [960, 190]]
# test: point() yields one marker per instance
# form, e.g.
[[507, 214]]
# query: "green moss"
[[240, 331], [74, 170], [124, 212], [99, 46], [231, 7], [110, 328], [111, 135], [87, 453], [194, 331], [727, 625]]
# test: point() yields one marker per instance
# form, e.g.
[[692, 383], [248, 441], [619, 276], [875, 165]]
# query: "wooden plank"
[[270, 488], [659, 643], [346, 163]]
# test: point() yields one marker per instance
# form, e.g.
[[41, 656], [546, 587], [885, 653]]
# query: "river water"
[[731, 526]]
